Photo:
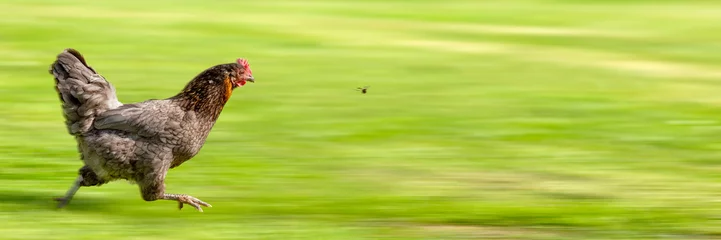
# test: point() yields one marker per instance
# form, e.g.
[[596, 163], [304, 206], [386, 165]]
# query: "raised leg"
[[153, 188]]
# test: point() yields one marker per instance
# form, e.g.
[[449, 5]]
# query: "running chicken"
[[139, 142]]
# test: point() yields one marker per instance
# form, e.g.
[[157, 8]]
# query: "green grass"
[[514, 119]]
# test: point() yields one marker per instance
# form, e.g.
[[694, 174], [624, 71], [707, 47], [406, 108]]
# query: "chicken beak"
[[250, 78]]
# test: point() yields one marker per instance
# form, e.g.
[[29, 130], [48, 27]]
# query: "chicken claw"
[[192, 201], [61, 201]]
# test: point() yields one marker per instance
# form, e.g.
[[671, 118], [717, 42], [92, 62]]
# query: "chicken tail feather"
[[83, 92]]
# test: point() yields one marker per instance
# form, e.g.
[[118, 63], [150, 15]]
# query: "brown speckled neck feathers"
[[207, 93]]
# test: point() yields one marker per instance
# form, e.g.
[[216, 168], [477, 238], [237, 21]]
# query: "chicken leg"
[[70, 193], [152, 187]]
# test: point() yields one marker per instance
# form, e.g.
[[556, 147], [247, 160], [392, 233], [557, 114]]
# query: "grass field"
[[513, 119]]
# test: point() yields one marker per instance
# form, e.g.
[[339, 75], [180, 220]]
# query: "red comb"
[[245, 65]]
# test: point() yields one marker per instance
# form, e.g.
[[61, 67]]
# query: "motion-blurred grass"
[[512, 119]]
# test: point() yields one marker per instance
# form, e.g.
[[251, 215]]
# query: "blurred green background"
[[513, 119]]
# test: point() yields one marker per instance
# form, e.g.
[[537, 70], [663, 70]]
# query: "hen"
[[139, 142]]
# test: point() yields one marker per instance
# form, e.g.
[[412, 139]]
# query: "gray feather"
[[83, 92]]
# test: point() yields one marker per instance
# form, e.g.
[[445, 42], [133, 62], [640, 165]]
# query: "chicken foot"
[[186, 199], [152, 187], [70, 193]]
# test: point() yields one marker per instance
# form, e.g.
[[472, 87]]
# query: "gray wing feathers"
[[83, 92], [146, 119], [119, 120], [129, 118]]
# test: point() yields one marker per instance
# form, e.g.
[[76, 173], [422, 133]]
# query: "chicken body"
[[139, 142]]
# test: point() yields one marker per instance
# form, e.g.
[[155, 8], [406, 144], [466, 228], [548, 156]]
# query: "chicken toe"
[[192, 201], [187, 199]]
